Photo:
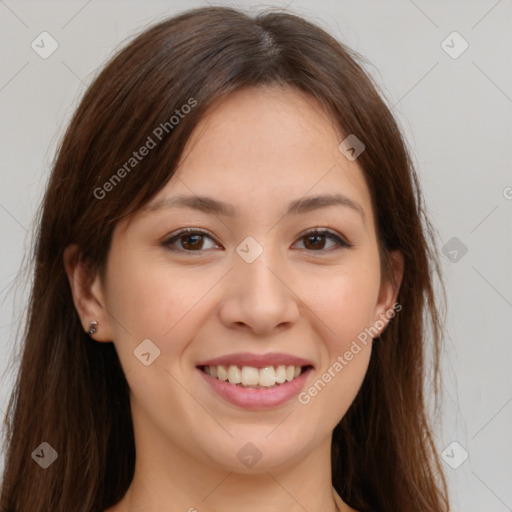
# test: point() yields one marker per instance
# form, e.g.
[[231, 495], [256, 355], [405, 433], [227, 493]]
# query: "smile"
[[255, 381], [250, 376]]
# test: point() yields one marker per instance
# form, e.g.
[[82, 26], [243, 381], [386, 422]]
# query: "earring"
[[92, 327]]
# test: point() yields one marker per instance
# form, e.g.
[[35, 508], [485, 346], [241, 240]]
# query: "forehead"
[[262, 127], [260, 147]]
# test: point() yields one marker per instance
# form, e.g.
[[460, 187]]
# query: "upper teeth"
[[251, 376]]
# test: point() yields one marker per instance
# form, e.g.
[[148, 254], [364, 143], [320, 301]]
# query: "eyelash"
[[194, 231]]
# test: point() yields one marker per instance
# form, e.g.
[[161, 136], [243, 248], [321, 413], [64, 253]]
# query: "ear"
[[88, 295], [390, 285]]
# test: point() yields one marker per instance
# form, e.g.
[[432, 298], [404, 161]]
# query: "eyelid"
[[176, 235], [326, 231], [342, 244]]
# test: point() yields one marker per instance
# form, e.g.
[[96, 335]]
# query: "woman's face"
[[256, 288]]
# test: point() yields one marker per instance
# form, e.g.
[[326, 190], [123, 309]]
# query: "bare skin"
[[258, 150]]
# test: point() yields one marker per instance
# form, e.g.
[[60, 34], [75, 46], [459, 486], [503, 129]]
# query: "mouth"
[[253, 377], [255, 381]]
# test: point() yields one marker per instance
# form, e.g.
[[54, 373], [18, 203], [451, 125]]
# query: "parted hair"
[[383, 452]]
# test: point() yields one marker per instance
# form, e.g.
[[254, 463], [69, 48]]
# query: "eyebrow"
[[213, 206]]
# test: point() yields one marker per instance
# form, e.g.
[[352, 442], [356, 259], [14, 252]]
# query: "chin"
[[257, 452]]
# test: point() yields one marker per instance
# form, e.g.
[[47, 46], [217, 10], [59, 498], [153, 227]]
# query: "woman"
[[233, 281]]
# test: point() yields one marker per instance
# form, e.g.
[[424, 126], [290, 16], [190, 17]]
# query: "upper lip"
[[257, 360]]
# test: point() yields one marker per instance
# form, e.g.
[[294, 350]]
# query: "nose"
[[259, 296]]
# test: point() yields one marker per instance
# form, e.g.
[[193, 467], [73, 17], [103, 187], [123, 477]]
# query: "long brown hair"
[[71, 391]]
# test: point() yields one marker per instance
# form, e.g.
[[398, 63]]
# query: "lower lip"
[[257, 398]]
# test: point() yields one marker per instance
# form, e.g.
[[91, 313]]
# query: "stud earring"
[[92, 327]]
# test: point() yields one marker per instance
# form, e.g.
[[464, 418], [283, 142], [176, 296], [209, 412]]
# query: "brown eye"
[[191, 242], [316, 240], [188, 240]]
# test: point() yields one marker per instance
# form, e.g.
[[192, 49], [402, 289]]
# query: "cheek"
[[346, 312], [148, 299], [345, 302]]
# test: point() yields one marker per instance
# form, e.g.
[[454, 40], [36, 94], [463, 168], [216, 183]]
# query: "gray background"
[[455, 112]]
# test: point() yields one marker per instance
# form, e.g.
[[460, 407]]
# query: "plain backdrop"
[[454, 107]]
